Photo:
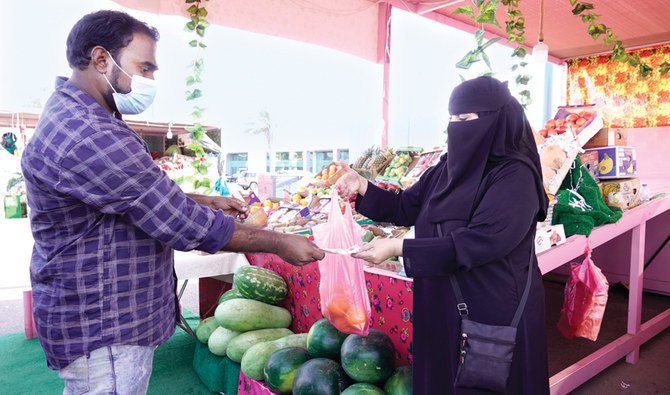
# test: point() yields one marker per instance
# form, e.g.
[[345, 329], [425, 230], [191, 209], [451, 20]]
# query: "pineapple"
[[361, 160]]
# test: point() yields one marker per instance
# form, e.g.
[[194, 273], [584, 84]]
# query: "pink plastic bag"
[[584, 300], [344, 297]]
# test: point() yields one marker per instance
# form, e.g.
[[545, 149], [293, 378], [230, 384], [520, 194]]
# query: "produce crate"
[[424, 162], [608, 137], [584, 132], [624, 194]]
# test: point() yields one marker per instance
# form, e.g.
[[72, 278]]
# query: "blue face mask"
[[140, 97]]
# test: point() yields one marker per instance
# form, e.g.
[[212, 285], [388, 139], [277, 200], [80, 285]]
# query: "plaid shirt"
[[105, 220]]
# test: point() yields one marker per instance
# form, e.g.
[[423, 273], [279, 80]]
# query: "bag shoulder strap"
[[463, 307]]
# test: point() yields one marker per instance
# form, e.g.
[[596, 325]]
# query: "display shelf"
[[628, 345]]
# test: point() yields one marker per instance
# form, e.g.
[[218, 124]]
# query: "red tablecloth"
[[390, 299]]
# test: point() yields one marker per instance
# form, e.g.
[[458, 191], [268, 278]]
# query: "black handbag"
[[486, 351]]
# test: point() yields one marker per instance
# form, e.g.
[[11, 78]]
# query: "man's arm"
[[231, 206], [294, 249]]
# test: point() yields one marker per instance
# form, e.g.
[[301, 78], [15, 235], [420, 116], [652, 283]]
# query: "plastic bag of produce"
[[344, 296], [584, 300]]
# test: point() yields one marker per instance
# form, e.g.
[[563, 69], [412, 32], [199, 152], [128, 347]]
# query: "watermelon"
[[230, 294], [324, 340], [254, 360], [261, 284], [320, 376], [400, 382], [363, 389], [239, 345], [244, 315], [205, 329], [218, 341], [368, 359], [281, 367]]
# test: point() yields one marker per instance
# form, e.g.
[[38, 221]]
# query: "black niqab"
[[501, 133]]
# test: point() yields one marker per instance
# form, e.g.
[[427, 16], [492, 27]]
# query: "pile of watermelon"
[[250, 329]]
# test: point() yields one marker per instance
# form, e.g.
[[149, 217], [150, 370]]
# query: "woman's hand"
[[379, 250], [351, 183]]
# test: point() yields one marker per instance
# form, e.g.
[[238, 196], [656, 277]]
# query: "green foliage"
[[596, 30], [197, 25]]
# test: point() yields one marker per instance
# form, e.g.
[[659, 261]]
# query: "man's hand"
[[351, 183], [298, 250], [231, 206], [379, 250]]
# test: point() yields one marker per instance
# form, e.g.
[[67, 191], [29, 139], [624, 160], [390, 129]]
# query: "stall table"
[[391, 299], [628, 345]]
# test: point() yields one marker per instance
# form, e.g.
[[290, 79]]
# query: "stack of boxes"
[[613, 164]]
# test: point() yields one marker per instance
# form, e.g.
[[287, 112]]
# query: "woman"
[[485, 195]]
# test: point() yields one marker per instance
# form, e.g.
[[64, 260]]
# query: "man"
[[106, 219]]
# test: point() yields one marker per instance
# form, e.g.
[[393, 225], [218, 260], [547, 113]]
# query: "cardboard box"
[[549, 236], [616, 162], [608, 137], [590, 162], [624, 194]]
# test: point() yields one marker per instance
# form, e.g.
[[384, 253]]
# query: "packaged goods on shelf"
[[624, 194], [616, 162]]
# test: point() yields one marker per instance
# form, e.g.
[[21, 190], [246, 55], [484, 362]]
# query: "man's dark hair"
[[112, 30]]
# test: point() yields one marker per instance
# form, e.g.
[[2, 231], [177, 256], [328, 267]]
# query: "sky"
[[317, 98]]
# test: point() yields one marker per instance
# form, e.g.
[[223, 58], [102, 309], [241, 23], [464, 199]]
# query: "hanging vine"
[[595, 30], [484, 12], [515, 27], [197, 25]]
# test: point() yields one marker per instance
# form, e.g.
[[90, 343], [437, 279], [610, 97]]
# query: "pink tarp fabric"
[[345, 25]]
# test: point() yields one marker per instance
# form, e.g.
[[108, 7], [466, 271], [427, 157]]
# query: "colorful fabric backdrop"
[[624, 100]]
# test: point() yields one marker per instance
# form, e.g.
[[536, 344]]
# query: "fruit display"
[[400, 382], [575, 121], [281, 367], [425, 161], [582, 122], [244, 315], [321, 376], [374, 163], [324, 340], [233, 293], [205, 328], [253, 282], [243, 342], [219, 340], [368, 359], [254, 360], [363, 389], [399, 165], [255, 334], [330, 173]]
